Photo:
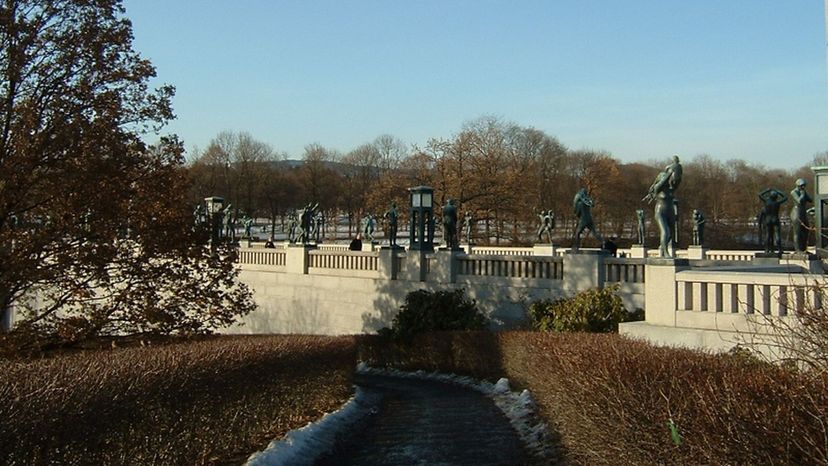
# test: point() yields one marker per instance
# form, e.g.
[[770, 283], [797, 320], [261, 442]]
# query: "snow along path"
[[419, 418]]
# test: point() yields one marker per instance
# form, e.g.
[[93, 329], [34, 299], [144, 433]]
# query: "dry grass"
[[610, 399], [210, 401]]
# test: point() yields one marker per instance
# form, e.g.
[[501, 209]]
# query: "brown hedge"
[[212, 401], [609, 399]]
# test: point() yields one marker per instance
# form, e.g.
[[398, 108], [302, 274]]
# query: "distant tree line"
[[501, 173]]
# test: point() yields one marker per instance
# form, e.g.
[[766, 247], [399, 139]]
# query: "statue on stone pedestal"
[[450, 224], [392, 217], [768, 218], [639, 215], [547, 224], [582, 205], [248, 226], [662, 191], [229, 223], [293, 226], [307, 223], [319, 226], [799, 215], [468, 225], [368, 225], [698, 227], [200, 214]]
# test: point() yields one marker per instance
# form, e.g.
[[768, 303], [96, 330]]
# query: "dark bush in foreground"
[[597, 310], [611, 399], [211, 401], [425, 311]]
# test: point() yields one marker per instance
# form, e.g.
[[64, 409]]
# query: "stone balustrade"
[[501, 251], [332, 247], [263, 257], [624, 270], [719, 307], [347, 263], [711, 299], [548, 268], [723, 255]]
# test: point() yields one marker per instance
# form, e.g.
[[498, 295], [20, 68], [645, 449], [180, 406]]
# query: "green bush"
[[598, 310], [425, 311]]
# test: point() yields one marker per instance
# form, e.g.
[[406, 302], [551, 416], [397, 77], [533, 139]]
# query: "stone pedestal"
[[296, 258], [806, 260], [766, 258], [443, 266], [387, 262], [468, 248], [660, 294], [544, 250], [583, 270], [638, 251], [413, 266], [369, 246], [696, 252]]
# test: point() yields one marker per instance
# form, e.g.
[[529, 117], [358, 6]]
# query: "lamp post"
[[421, 231], [215, 206], [821, 208]]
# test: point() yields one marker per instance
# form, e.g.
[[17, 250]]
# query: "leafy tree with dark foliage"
[[92, 219]]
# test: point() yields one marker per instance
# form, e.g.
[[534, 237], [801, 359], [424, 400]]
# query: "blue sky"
[[640, 79]]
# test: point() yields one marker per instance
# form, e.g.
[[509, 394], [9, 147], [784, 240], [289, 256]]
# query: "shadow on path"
[[423, 422]]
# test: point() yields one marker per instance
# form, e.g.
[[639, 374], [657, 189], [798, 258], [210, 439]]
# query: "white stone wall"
[[347, 297]]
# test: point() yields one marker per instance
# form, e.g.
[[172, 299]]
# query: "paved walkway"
[[423, 422]]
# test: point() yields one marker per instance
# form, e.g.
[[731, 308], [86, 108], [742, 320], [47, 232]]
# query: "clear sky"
[[641, 79]]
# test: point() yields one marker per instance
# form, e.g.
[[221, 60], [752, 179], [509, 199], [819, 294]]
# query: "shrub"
[[598, 310], [425, 311], [210, 401]]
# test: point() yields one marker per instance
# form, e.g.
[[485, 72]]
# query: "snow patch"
[[304, 446], [519, 408]]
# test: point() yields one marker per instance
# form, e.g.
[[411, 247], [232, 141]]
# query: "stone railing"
[[332, 247], [261, 256], [624, 270], [719, 307], [344, 263], [545, 268], [501, 251], [722, 255], [773, 294]]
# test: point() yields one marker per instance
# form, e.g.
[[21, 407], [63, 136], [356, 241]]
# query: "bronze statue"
[[639, 214], [248, 226], [698, 227], [547, 224], [666, 214], [392, 216], [769, 222], [582, 204], [293, 226], [468, 224], [229, 223], [319, 226], [450, 224], [799, 215], [368, 224]]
